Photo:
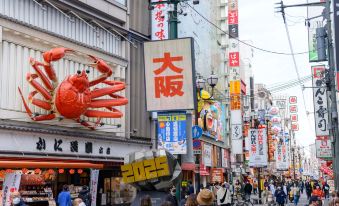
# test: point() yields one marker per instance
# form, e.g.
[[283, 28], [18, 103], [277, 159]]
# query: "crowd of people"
[[274, 193]]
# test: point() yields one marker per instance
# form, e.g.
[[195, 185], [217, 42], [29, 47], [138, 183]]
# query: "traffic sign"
[[196, 132]]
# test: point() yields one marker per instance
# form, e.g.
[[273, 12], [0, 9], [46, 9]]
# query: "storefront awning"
[[45, 164]]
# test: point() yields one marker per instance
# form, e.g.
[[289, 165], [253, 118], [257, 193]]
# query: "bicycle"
[[243, 201]]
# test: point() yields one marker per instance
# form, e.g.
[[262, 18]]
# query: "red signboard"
[[294, 117], [233, 59], [295, 126], [293, 100], [233, 17], [217, 175], [293, 108]]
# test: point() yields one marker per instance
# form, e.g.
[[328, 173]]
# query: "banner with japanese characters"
[[11, 184], [281, 156], [172, 132], [323, 147], [258, 148], [169, 75], [94, 186], [159, 21], [207, 155], [320, 100]]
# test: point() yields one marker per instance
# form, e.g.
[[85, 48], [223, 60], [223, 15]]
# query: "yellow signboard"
[[145, 170], [235, 87]]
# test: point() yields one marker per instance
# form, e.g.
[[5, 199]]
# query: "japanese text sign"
[[217, 175], [235, 87], [11, 184], [258, 147], [94, 186], [295, 126], [293, 100], [172, 132], [160, 21], [294, 117], [323, 147], [281, 156], [293, 108], [234, 59], [320, 101], [207, 155], [169, 75]]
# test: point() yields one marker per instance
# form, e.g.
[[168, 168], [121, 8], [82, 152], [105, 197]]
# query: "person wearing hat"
[[205, 197], [314, 201]]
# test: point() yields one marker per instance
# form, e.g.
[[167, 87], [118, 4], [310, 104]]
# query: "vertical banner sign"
[[160, 21], [207, 155], [282, 162], [10, 185], [336, 36], [320, 101], [169, 75], [172, 132], [235, 83], [258, 148], [94, 186], [323, 147]]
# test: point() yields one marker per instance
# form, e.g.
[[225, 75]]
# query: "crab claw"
[[101, 65], [55, 54]]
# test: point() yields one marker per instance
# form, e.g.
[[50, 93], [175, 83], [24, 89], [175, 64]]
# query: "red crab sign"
[[76, 95]]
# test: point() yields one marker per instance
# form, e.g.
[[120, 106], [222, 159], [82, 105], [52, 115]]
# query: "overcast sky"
[[259, 23]]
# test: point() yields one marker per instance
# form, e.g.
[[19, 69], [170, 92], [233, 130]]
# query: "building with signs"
[[63, 151]]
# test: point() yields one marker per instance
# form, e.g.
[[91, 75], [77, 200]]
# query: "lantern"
[[80, 171], [9, 171], [24, 170], [61, 171], [71, 171], [276, 119], [51, 171], [275, 129], [37, 171]]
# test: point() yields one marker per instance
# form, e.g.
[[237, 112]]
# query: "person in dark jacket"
[[280, 196], [171, 197], [16, 199], [308, 188], [248, 190], [85, 195], [190, 188]]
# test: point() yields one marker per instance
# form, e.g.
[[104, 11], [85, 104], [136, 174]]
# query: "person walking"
[[146, 201], [191, 200], [205, 198], [16, 199], [190, 188], [318, 192], [85, 195], [248, 190], [308, 188], [334, 197], [296, 194], [64, 198], [224, 195], [280, 196], [171, 197], [326, 189], [255, 187]]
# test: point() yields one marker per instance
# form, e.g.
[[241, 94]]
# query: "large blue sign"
[[196, 132], [172, 132]]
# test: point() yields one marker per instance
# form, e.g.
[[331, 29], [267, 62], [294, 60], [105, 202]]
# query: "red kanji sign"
[[232, 17], [293, 108], [294, 117], [318, 72], [295, 126], [293, 100], [233, 59], [168, 85]]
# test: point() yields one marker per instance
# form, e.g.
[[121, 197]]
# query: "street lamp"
[[212, 81]]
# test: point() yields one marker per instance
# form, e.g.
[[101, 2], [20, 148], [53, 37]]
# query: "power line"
[[243, 42]]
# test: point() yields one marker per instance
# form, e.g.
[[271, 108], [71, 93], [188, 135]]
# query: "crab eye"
[[87, 71], [79, 72]]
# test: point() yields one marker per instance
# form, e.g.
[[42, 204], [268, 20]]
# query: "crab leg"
[[108, 90], [30, 114], [114, 113], [31, 79], [88, 125], [103, 68], [35, 64], [38, 102]]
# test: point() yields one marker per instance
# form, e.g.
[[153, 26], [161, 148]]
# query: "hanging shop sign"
[[152, 169], [323, 147], [11, 184], [293, 100], [293, 108], [55, 145], [336, 35], [169, 75], [294, 126], [172, 132], [225, 161], [207, 155], [217, 175], [281, 155], [320, 100], [210, 119], [258, 148], [294, 117], [159, 21], [281, 104], [75, 97], [94, 186]]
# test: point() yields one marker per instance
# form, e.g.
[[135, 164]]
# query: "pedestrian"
[[191, 200], [85, 195], [264, 195], [183, 200], [78, 202], [64, 198], [224, 195], [337, 202], [296, 194], [190, 188], [280, 196], [248, 190], [171, 197], [272, 188], [255, 187], [308, 188], [318, 192], [146, 201], [333, 199], [326, 189], [237, 189], [166, 203], [16, 199], [205, 198]]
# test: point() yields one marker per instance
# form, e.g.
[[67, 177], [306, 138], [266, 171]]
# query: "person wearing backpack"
[[296, 194]]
